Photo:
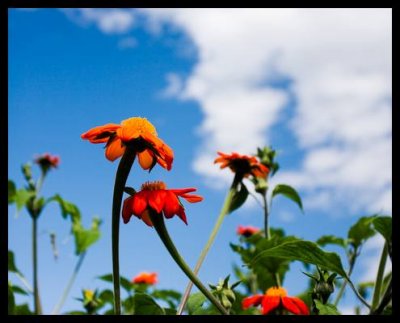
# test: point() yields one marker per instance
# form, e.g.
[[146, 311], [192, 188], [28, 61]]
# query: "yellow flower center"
[[153, 186], [140, 125], [88, 293], [276, 291]]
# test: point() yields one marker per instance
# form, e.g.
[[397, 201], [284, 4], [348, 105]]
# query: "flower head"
[[242, 164], [145, 278], [156, 196], [274, 298], [247, 231], [137, 133], [47, 161]]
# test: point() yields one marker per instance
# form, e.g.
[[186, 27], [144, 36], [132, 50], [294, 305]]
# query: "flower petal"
[[145, 159], [171, 205], [139, 203], [157, 199], [180, 191], [115, 149], [252, 301], [181, 214], [192, 198], [269, 303], [146, 218], [295, 305], [127, 209], [100, 134], [163, 152]]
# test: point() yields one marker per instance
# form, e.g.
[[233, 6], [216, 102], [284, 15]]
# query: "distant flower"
[[247, 231], [155, 196], [137, 133], [146, 278], [274, 298], [242, 164], [47, 161]]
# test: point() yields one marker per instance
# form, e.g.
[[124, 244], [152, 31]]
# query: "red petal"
[[181, 214], [139, 203], [269, 303], [192, 198], [100, 134], [127, 209], [171, 205], [295, 305], [181, 191], [252, 301], [146, 218], [157, 199]]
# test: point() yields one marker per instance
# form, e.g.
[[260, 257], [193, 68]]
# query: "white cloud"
[[174, 86]]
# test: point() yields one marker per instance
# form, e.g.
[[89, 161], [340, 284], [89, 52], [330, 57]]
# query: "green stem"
[[266, 217], [57, 308], [387, 297], [379, 278], [124, 168], [36, 298], [352, 262], [220, 219], [24, 282], [159, 225], [357, 293]]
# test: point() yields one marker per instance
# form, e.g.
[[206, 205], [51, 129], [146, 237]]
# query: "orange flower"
[[155, 196], [275, 297], [247, 231], [145, 278], [138, 133], [243, 164], [47, 161]]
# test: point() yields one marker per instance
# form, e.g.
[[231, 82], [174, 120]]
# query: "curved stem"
[[124, 168], [387, 296], [69, 285], [221, 217], [379, 278], [36, 298], [358, 294], [352, 262], [159, 225]]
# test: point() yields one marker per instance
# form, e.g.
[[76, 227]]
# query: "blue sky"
[[311, 83]]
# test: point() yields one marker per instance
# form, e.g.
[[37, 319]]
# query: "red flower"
[[243, 164], [247, 231], [155, 196], [47, 161], [137, 132], [145, 278], [275, 297]]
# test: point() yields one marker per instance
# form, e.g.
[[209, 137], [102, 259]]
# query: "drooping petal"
[[171, 206], [162, 151], [127, 209], [192, 198], [157, 199], [139, 203], [252, 301], [145, 159], [181, 213], [295, 305], [269, 303], [100, 134], [146, 218], [115, 149]]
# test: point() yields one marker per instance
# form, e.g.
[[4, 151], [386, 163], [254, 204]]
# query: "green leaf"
[[170, 296], [125, 283], [19, 290], [238, 198], [12, 190], [305, 251], [331, 239], [84, 238], [67, 208], [326, 309], [11, 263], [169, 311], [288, 192], [22, 196], [75, 313], [11, 300], [22, 310], [145, 305], [195, 302], [361, 231], [383, 224]]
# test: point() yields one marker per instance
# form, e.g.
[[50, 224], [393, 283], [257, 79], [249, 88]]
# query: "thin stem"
[[379, 278], [266, 216], [159, 225], [358, 294], [67, 289], [218, 223], [24, 282], [352, 261], [39, 183], [36, 298], [124, 168], [387, 296]]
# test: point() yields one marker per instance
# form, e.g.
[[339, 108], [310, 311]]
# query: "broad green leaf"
[[84, 238], [11, 263], [18, 290], [195, 302], [326, 309], [12, 190], [145, 305], [22, 196], [383, 224], [67, 208], [305, 251], [361, 231], [22, 310], [170, 296], [238, 198], [169, 311], [11, 300], [331, 239], [289, 192], [125, 283]]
